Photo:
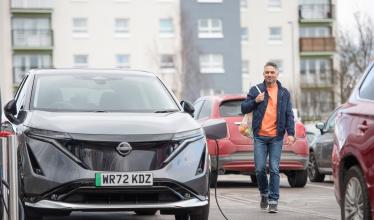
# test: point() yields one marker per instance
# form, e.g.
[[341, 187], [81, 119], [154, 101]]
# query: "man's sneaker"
[[264, 202], [273, 208]]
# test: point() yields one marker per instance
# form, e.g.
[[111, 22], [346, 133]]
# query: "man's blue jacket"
[[285, 117]]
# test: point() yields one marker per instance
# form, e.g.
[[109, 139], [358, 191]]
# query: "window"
[[166, 27], [211, 63], [205, 110], [231, 108], [315, 32], [210, 28], [197, 106], [315, 103], [81, 60], [121, 27], [244, 34], [24, 62], [80, 27], [209, 91], [367, 88], [274, 4], [244, 4], [33, 32], [123, 61], [245, 70], [316, 71], [275, 33], [167, 61]]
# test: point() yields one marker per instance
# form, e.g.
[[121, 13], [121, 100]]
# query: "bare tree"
[[356, 50], [191, 79]]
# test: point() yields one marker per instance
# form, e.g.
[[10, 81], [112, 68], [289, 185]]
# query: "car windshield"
[[231, 108], [101, 93]]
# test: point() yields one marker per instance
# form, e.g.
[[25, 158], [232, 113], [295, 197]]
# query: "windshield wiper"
[[166, 111]]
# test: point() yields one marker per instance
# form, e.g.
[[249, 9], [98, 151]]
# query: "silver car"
[[107, 140]]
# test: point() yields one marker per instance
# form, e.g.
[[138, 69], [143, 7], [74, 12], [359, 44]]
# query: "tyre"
[[355, 201], [146, 212], [313, 173], [213, 178], [254, 179], [297, 178]]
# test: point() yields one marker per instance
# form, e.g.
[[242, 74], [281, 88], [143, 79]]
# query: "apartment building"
[[269, 32], [317, 30]]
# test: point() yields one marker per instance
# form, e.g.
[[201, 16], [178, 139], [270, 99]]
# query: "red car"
[[236, 151], [353, 152]]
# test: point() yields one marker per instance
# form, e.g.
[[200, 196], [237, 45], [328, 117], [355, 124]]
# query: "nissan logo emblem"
[[124, 148]]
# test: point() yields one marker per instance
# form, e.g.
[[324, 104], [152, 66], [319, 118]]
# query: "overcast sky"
[[346, 9]]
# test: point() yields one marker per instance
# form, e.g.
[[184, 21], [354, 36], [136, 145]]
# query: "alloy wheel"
[[354, 201]]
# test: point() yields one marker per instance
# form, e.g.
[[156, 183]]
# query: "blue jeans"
[[264, 146]]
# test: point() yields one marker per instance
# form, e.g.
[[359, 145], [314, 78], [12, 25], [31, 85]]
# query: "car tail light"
[[300, 130], [5, 133]]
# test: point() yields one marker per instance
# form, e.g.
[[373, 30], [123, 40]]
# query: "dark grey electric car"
[[107, 140]]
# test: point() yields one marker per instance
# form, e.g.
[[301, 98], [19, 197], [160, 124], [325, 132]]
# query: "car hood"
[[112, 123]]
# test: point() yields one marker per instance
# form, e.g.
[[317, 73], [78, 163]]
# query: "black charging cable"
[[215, 184]]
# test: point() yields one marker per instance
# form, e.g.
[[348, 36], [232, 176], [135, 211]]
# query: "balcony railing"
[[317, 44], [316, 11], [37, 4], [32, 38]]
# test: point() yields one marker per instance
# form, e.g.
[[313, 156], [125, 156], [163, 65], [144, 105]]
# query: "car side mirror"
[[215, 129], [10, 111], [320, 126], [187, 107]]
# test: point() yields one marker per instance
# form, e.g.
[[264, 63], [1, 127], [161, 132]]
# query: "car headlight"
[[47, 134], [188, 134]]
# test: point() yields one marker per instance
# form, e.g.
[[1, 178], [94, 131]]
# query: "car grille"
[[103, 156]]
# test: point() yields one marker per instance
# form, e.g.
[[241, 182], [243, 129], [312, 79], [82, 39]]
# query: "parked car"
[[320, 163], [353, 151], [108, 140], [236, 151]]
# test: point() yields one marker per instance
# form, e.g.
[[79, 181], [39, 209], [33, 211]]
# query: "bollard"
[[13, 177], [4, 163]]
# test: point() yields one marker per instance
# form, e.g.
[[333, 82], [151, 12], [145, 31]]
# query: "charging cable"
[[215, 184]]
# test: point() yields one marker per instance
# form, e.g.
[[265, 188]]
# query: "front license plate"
[[124, 179]]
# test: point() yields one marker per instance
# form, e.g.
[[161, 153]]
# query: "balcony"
[[317, 45], [316, 80], [316, 13], [32, 39], [31, 6]]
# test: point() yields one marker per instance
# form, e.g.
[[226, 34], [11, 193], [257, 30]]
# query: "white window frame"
[[245, 69], [80, 65], [211, 63], [168, 32], [210, 31], [274, 5], [244, 38], [80, 31], [167, 67], [122, 65], [275, 38], [120, 32], [243, 5]]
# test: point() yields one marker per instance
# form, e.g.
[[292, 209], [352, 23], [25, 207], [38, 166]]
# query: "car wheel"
[[146, 212], [297, 178], [254, 179], [355, 196], [313, 173], [213, 178]]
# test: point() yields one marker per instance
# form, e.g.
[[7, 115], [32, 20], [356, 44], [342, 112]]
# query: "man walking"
[[272, 117]]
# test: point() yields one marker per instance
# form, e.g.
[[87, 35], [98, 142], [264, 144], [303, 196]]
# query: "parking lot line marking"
[[300, 211]]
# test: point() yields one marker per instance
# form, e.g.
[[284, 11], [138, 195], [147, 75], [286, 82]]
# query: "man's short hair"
[[272, 64]]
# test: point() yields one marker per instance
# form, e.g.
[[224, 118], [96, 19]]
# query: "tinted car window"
[[106, 92], [231, 108], [367, 88], [21, 94], [205, 111], [331, 122]]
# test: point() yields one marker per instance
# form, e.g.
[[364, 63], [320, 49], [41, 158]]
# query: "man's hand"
[[290, 140], [260, 97]]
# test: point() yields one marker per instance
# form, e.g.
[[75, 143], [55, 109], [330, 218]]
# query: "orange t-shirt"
[[269, 122]]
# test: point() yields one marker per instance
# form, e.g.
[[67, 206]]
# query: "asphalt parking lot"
[[239, 199]]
